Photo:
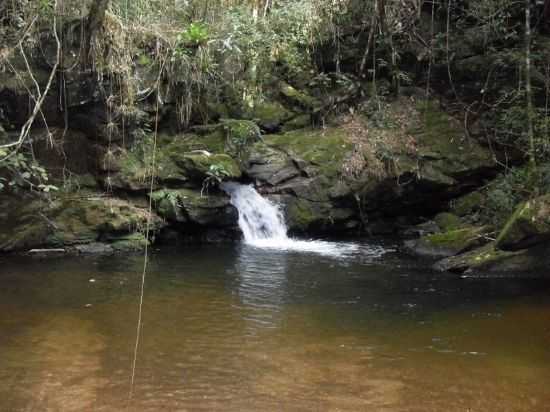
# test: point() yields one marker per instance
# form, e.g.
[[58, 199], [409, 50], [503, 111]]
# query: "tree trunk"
[[528, 91], [389, 42], [546, 12], [94, 22]]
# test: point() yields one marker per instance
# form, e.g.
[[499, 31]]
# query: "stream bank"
[[343, 154]]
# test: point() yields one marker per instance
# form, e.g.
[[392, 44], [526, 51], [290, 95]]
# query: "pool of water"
[[239, 328]]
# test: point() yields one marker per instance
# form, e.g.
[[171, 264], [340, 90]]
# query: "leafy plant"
[[505, 193], [19, 171], [214, 176], [196, 34]]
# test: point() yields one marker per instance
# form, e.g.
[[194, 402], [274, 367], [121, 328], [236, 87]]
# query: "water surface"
[[240, 328]]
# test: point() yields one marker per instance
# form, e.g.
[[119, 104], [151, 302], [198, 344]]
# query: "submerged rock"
[[490, 259]]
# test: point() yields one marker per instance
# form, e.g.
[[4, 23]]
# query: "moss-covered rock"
[[190, 206], [270, 165], [199, 166], [298, 98], [269, 115], [489, 259], [240, 135], [301, 215], [447, 221], [179, 159], [468, 204], [128, 243], [443, 148], [449, 243], [299, 122], [416, 158], [23, 224], [306, 216], [135, 167], [74, 220], [325, 150], [529, 225]]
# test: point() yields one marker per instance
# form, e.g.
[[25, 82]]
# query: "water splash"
[[259, 219], [263, 225]]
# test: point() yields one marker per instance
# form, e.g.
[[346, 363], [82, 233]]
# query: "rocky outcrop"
[[73, 220], [529, 225], [187, 206], [451, 242], [492, 260], [346, 176], [303, 170], [521, 245], [408, 158]]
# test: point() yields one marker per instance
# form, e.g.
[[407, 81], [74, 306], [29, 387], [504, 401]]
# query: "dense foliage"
[[479, 57]]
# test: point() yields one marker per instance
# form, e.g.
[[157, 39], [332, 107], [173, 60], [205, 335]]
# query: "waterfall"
[[263, 225], [259, 219]]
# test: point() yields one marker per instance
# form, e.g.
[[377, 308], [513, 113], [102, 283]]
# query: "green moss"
[[297, 97], [299, 122], [187, 205], [85, 220], [485, 258], [441, 139], [447, 221], [129, 243], [437, 130], [451, 242], [24, 228], [199, 165], [454, 239], [530, 222], [269, 114], [468, 204], [240, 135], [301, 214], [70, 220], [178, 159], [144, 60], [485, 255], [325, 149]]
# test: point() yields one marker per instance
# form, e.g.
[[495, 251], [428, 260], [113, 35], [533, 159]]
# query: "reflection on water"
[[243, 329], [262, 284]]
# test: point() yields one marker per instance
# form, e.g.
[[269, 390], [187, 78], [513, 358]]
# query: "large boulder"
[[529, 225], [419, 160], [75, 219], [180, 160], [303, 215], [451, 242], [195, 207], [269, 115], [302, 170]]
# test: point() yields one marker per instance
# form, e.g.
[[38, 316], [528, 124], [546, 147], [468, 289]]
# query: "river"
[[233, 327]]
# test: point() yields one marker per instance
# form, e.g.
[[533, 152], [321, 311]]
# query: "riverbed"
[[232, 327]]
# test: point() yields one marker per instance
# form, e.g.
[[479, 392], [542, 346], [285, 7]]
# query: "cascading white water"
[[263, 225], [259, 219]]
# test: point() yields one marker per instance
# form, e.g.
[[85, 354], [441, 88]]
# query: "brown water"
[[233, 328]]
